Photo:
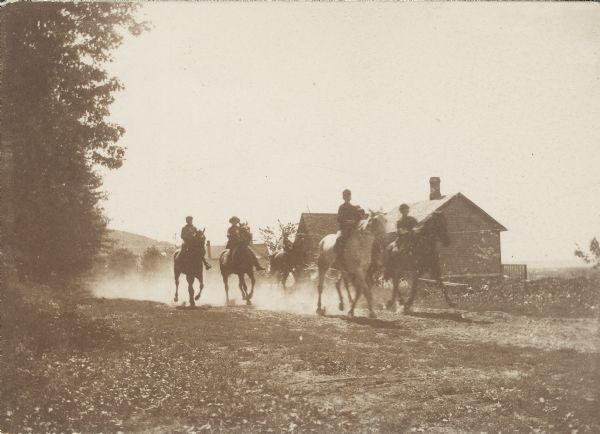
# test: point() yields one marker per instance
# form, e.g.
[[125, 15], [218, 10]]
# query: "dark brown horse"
[[190, 263], [416, 258], [289, 261], [242, 263]]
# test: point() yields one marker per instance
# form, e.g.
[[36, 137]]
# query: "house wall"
[[475, 242], [471, 252]]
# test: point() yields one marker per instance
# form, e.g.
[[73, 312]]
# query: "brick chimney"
[[434, 188]]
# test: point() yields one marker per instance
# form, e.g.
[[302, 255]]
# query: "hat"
[[189, 218], [234, 219]]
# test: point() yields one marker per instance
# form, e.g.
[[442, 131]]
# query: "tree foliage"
[[592, 256], [57, 96], [274, 237]]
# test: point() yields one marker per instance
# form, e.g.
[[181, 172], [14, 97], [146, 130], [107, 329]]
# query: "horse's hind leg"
[[347, 285], [338, 285], [441, 285]]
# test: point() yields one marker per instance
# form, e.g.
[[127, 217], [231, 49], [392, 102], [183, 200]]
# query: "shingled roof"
[[423, 209]]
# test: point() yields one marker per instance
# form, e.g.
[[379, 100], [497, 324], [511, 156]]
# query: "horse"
[[241, 264], [418, 258], [190, 264], [287, 261], [359, 259]]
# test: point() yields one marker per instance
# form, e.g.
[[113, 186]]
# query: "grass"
[[137, 366]]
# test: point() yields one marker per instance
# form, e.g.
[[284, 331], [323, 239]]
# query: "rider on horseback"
[[188, 234], [287, 244], [405, 227], [235, 239], [348, 217]]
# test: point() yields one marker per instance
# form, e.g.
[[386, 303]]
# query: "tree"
[[273, 238], [592, 256], [56, 96]]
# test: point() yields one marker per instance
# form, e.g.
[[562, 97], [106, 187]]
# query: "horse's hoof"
[[197, 297], [407, 308], [351, 314], [175, 300], [248, 302], [391, 306], [341, 306], [372, 315], [452, 304], [320, 311]]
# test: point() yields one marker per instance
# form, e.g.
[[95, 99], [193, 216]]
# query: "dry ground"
[[239, 369]]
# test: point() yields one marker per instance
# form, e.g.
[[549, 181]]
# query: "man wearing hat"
[[188, 232], [405, 226], [234, 239], [348, 217]]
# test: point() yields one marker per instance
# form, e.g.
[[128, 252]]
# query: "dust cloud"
[[268, 294]]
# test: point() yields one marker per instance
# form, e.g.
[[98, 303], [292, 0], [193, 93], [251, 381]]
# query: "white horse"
[[358, 260]]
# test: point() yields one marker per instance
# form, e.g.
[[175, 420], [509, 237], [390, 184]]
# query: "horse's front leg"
[[176, 298], [323, 266], [201, 288], [347, 286], [359, 290], [190, 281], [242, 286], [226, 283], [391, 304], [369, 296], [252, 283], [413, 292]]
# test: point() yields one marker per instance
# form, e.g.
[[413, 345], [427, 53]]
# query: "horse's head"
[[375, 222], [436, 227], [199, 239]]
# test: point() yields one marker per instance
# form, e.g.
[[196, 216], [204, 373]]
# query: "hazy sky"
[[268, 110]]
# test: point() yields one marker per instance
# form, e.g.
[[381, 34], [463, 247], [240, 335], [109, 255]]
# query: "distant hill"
[[136, 243]]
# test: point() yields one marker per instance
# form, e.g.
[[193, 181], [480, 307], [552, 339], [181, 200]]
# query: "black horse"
[[190, 262], [416, 258]]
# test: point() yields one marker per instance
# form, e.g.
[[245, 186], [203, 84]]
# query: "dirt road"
[[240, 369]]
